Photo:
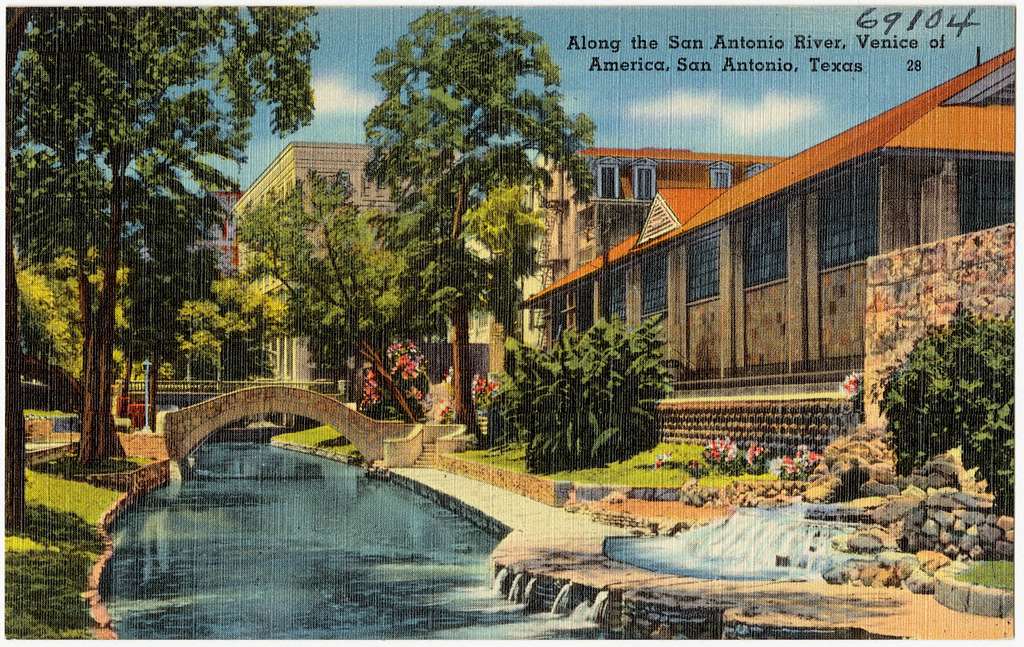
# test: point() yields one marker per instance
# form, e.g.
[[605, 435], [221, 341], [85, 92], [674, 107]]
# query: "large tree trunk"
[[14, 416], [152, 391], [462, 378], [99, 438]]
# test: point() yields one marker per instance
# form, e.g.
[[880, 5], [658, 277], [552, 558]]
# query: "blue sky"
[[740, 112]]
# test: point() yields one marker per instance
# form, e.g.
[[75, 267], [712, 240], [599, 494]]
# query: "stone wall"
[[554, 493], [143, 479], [914, 288]]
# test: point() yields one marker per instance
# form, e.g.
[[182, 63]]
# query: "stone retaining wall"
[[554, 493], [486, 523], [151, 477], [40, 456], [970, 598], [143, 479], [917, 287]]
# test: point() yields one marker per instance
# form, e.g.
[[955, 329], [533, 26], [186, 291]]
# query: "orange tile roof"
[[685, 203], [921, 122], [977, 128], [677, 154]]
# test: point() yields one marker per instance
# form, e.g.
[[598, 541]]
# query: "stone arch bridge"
[[394, 444]]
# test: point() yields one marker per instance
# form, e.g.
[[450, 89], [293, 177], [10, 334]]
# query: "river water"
[[261, 542]]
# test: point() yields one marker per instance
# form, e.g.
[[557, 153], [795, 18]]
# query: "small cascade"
[[590, 612], [561, 599], [499, 581], [528, 591], [753, 543], [514, 592]]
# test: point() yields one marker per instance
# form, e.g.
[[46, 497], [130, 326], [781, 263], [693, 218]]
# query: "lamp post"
[[145, 367]]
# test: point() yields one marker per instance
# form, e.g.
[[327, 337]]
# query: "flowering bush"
[[723, 456], [798, 467], [483, 391], [446, 415], [408, 371], [854, 387]]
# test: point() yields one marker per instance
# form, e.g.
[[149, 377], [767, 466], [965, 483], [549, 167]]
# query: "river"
[[265, 543]]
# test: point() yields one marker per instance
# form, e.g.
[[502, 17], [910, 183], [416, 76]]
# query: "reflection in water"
[[267, 543]]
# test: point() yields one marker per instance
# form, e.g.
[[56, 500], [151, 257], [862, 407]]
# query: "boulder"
[[931, 561], [943, 518], [892, 510], [866, 503], [930, 528], [883, 473], [914, 492], [920, 582], [1004, 550], [885, 577], [870, 541], [967, 542], [1004, 523], [989, 534], [875, 489], [822, 491], [974, 500]]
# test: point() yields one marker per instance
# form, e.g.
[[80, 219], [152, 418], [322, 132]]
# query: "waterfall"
[[753, 543], [499, 581], [562, 595], [513, 591], [590, 612], [528, 592]]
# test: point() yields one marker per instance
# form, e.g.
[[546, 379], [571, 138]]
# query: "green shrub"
[[586, 402], [956, 389]]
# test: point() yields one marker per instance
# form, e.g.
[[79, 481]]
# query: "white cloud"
[[339, 95], [772, 112]]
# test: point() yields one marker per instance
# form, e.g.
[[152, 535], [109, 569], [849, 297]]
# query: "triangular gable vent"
[[660, 220]]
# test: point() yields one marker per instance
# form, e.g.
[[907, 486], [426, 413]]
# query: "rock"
[[676, 529], [893, 509], [943, 465], [866, 575], [930, 528], [866, 503], [663, 632], [865, 542], [1004, 550], [959, 526], [989, 534], [840, 574], [914, 492], [977, 553], [841, 543], [876, 489], [885, 577], [1009, 535], [945, 519], [970, 517], [931, 561], [974, 500], [943, 500], [951, 551], [940, 480], [986, 601], [1004, 523], [883, 473], [920, 582], [906, 566], [967, 542], [823, 491]]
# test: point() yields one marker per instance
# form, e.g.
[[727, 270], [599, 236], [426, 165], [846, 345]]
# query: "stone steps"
[[781, 425], [428, 458]]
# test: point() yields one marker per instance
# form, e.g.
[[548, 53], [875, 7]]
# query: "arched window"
[[721, 175]]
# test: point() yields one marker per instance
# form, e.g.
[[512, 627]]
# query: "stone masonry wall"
[[917, 287], [553, 493]]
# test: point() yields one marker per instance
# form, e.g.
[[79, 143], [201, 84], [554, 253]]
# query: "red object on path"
[[137, 414]]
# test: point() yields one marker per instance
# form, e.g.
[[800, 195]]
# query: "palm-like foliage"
[[589, 400]]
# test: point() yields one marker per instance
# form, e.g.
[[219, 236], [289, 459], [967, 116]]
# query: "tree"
[[471, 103], [508, 230], [322, 251], [148, 101]]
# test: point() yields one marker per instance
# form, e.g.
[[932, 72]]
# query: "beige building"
[[290, 356]]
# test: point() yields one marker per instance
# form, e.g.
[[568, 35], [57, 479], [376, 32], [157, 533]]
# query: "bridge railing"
[[325, 387]]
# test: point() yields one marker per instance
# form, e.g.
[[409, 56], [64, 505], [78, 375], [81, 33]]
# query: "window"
[[557, 322], [848, 224], [617, 294], [765, 254], [721, 175], [645, 183], [608, 180], [702, 269], [986, 194], [654, 284], [569, 312], [754, 169], [585, 305]]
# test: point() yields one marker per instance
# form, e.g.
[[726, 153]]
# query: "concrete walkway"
[[553, 543]]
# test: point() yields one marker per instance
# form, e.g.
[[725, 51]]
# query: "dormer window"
[[754, 169], [721, 175], [644, 180], [608, 180]]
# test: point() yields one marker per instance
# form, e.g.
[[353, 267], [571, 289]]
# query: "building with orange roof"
[[766, 278]]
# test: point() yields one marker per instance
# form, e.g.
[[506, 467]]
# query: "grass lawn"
[[637, 471], [68, 466], [325, 437], [48, 561], [997, 575], [40, 413]]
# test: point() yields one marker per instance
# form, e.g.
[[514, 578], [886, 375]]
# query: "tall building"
[[290, 356], [221, 235]]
